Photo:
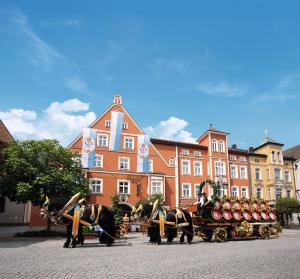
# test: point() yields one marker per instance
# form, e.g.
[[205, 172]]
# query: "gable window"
[[220, 168], [128, 143], [150, 165], [287, 176], [257, 173], [277, 174], [124, 163], [186, 167], [102, 140], [186, 190], [232, 157], [96, 185], [123, 187], [243, 173], [125, 125], [185, 152], [234, 191], [172, 162], [221, 146], [156, 187], [197, 153], [214, 145], [197, 168], [98, 161], [107, 123], [244, 192], [258, 193], [233, 172]]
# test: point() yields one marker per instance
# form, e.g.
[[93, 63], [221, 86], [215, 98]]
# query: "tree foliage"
[[152, 199], [117, 210], [285, 207], [34, 169]]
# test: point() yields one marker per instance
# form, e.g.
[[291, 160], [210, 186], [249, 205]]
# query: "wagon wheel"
[[264, 231], [220, 234], [207, 236]]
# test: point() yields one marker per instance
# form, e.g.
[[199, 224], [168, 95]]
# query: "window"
[[156, 187], [288, 193], [102, 140], [233, 172], [256, 161], [123, 187], [222, 146], [197, 168], [257, 173], [287, 176], [107, 123], [186, 190], [172, 162], [278, 193], [128, 143], [186, 169], [150, 165], [258, 193], [243, 159], [234, 191], [124, 163], [232, 158], [277, 174], [244, 192], [197, 153], [98, 161], [96, 185], [197, 190], [220, 168], [214, 145], [243, 172], [223, 191], [125, 125], [185, 152], [278, 156]]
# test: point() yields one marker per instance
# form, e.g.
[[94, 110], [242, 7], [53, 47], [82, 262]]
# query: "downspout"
[[177, 178], [250, 178]]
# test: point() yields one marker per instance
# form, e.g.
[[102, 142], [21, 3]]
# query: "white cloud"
[[173, 129], [221, 89], [76, 84], [60, 121], [64, 22]]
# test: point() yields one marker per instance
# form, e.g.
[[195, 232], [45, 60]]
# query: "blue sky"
[[179, 65]]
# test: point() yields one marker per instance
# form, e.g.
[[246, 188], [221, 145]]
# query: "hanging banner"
[[88, 147], [116, 130], [143, 153]]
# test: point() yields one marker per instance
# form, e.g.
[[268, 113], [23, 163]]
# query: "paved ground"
[[39, 258]]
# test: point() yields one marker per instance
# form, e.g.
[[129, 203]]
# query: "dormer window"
[[107, 123], [125, 125], [222, 146], [214, 145]]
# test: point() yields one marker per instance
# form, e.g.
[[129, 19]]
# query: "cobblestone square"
[[39, 258]]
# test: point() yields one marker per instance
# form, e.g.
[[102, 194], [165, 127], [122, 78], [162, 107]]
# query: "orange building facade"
[[174, 169]]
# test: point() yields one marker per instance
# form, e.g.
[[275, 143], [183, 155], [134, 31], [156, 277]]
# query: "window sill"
[[97, 193]]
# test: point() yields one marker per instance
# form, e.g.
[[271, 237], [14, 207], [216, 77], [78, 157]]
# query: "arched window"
[[172, 162], [221, 146], [214, 145]]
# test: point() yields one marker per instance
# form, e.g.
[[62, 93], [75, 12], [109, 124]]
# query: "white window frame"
[[118, 186], [236, 172], [119, 164], [124, 145], [246, 174], [221, 146], [246, 191], [232, 158], [199, 167], [220, 168], [91, 187], [195, 187], [287, 172], [242, 159], [190, 190], [188, 167], [185, 152], [98, 136], [107, 123], [197, 153], [125, 125], [236, 191], [171, 162], [96, 159], [255, 172], [150, 165], [161, 186], [261, 193], [214, 145], [280, 174]]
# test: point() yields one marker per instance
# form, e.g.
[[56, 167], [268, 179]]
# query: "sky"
[[179, 65]]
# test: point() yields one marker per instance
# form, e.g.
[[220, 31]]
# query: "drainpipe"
[[177, 178], [250, 178]]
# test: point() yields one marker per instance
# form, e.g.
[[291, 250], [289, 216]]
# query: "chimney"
[[251, 149], [234, 146]]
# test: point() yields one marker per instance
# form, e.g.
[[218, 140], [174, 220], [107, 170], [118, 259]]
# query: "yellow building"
[[272, 174]]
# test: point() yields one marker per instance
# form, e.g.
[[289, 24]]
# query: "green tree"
[[285, 207], [36, 169], [152, 199], [117, 210]]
